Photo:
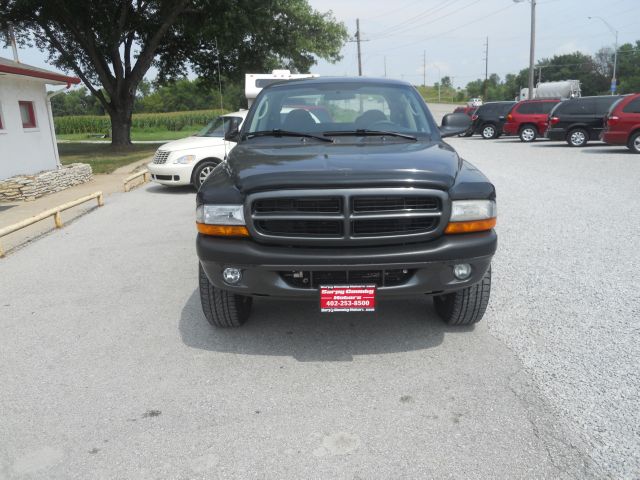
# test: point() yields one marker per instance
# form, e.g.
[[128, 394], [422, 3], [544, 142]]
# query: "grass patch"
[[156, 135], [102, 157]]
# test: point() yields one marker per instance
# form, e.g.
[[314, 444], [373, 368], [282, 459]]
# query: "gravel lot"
[[566, 296], [109, 370]]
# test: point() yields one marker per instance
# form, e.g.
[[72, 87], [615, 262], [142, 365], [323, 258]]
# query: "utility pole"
[[486, 68], [615, 54], [532, 47], [12, 40], [358, 39], [424, 68], [385, 66], [359, 52]]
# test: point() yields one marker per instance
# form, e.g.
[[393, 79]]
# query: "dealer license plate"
[[347, 298]]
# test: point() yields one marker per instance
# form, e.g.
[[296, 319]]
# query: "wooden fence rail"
[[52, 212], [142, 173]]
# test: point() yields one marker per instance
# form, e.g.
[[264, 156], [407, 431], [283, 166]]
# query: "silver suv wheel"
[[577, 138], [489, 131], [528, 134]]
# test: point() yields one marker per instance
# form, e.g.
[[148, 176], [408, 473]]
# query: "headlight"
[[221, 220], [465, 210], [469, 216], [185, 159], [220, 214]]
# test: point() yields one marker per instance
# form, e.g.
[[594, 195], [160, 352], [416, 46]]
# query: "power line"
[[434, 20], [453, 29], [414, 18]]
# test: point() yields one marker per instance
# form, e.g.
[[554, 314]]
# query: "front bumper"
[[510, 128], [170, 173], [430, 264]]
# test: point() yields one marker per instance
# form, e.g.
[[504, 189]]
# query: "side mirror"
[[232, 135], [454, 124]]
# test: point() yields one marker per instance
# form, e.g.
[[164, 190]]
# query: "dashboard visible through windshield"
[[341, 109]]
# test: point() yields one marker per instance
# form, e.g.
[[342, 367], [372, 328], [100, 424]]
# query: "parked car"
[[489, 119], [474, 102], [320, 213], [467, 110], [529, 118], [579, 120], [190, 160], [622, 123]]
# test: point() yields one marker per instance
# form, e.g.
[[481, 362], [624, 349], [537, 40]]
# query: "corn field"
[[172, 121]]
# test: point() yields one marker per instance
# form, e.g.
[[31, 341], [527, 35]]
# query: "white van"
[[190, 160]]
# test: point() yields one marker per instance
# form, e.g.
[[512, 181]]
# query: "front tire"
[[221, 308], [634, 143], [528, 134], [489, 131], [202, 171], [578, 137], [466, 306]]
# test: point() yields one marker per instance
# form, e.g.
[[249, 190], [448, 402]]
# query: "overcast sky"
[[453, 33]]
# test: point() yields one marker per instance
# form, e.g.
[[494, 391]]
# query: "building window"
[[27, 114]]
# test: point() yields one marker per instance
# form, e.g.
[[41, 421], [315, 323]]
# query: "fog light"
[[231, 275], [462, 271]]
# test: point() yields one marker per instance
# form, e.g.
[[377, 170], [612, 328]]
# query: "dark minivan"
[[489, 119], [579, 120]]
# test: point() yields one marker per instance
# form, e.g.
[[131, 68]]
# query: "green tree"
[[578, 66], [111, 44], [76, 102], [446, 82], [629, 68]]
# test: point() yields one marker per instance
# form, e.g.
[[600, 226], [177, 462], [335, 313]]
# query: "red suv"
[[466, 110], [529, 118], [622, 123]]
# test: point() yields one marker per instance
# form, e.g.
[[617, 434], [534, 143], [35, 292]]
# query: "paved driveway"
[[109, 369]]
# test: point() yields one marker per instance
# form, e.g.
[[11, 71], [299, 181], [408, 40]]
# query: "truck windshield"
[[328, 108], [219, 126]]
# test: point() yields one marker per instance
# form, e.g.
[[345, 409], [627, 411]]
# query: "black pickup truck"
[[342, 191]]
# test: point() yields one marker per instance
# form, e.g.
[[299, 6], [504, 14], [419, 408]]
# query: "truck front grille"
[[298, 205], [323, 228], [316, 278], [393, 204], [347, 216], [393, 226]]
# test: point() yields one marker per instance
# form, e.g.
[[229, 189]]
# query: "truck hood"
[[192, 142], [422, 164]]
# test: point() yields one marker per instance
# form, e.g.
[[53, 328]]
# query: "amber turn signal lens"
[[223, 230], [469, 227]]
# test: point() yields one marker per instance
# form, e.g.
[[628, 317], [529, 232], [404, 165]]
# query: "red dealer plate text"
[[347, 298]]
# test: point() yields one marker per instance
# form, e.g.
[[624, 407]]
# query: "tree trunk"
[[121, 125]]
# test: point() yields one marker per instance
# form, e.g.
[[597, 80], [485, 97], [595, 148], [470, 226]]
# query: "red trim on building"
[[30, 120], [57, 77]]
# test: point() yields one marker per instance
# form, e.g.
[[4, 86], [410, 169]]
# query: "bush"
[[172, 121]]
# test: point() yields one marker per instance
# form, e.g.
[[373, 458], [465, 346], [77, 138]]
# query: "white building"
[[27, 136]]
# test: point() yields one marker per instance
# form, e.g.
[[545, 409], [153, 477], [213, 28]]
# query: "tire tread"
[[467, 306], [222, 309]]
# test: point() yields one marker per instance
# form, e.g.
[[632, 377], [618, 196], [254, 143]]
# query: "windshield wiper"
[[276, 132], [368, 133]]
